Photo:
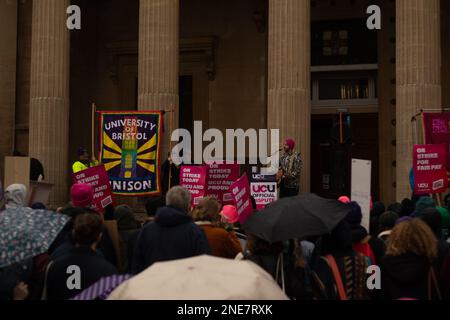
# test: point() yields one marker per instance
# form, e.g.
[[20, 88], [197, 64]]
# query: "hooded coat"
[[129, 229], [15, 196], [171, 235], [405, 276], [352, 267], [359, 233]]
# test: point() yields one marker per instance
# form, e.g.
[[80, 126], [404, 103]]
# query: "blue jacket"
[[172, 235]]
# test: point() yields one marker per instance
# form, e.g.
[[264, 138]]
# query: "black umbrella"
[[296, 217]]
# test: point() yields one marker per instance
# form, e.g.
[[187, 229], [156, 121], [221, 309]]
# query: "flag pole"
[[171, 111], [93, 110]]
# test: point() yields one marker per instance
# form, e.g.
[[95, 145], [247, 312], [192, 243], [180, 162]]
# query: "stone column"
[[387, 102], [418, 75], [289, 76], [158, 60], [445, 37], [8, 53], [49, 93]]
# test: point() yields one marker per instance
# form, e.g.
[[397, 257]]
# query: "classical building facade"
[[309, 68]]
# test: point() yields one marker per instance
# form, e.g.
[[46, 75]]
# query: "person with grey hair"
[[171, 235], [179, 197]]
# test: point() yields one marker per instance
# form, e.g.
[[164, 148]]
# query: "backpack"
[[365, 249]]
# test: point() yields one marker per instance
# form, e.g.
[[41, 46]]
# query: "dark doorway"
[[331, 151], [185, 103]]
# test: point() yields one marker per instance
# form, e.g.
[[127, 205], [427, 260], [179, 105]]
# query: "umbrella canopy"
[[25, 233], [297, 217], [200, 278], [102, 288]]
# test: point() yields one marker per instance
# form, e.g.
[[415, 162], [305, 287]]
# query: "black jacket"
[[174, 176], [405, 276], [92, 268], [172, 235]]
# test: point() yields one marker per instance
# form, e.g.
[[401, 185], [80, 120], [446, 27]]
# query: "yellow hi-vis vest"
[[80, 166]]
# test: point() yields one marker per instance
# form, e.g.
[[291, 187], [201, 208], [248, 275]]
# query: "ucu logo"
[[263, 188]]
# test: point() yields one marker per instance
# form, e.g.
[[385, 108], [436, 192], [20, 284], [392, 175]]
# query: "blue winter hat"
[[355, 215], [423, 204]]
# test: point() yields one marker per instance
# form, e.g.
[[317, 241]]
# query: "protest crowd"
[[283, 258]]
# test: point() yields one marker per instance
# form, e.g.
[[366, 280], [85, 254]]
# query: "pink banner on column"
[[437, 131], [430, 172], [240, 191], [193, 178]]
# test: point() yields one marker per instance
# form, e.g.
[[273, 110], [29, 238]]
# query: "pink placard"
[[240, 192], [193, 178], [437, 130], [430, 172], [98, 179], [220, 178]]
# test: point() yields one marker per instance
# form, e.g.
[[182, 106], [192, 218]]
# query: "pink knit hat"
[[229, 213], [344, 199], [290, 143], [81, 195]]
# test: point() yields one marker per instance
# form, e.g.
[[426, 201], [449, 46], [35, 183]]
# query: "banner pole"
[[171, 111], [93, 110]]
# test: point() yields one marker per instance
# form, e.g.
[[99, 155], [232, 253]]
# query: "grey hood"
[[15, 196]]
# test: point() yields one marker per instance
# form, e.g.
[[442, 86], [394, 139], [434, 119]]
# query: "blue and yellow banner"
[[130, 144]]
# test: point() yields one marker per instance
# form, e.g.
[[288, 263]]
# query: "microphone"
[[281, 149]]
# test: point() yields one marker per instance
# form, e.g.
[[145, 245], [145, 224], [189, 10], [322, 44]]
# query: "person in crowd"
[[395, 207], [289, 172], [230, 220], [15, 196], [38, 206], [344, 199], [171, 235], [422, 204], [298, 271], [83, 161], [445, 217], [264, 254], [21, 291], [108, 212], [169, 169], [36, 167], [387, 223], [153, 204], [340, 274], [371, 247], [15, 279], [407, 268], [129, 229], [445, 277], [81, 196], [91, 267], [223, 243], [433, 219], [378, 209], [407, 208]]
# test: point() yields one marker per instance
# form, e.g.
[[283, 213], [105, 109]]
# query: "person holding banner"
[[83, 162], [170, 174], [223, 243], [289, 172]]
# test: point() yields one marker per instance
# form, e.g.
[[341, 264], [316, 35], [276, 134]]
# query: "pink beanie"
[[230, 214], [81, 195], [290, 143], [344, 199]]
